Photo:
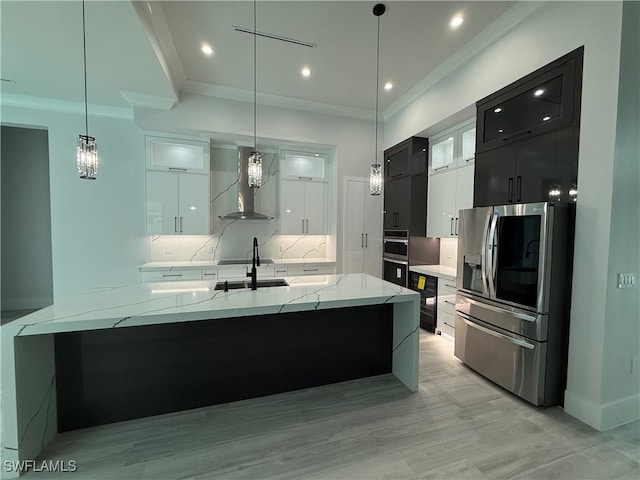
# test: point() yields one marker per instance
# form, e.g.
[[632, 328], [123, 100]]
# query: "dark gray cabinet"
[[406, 158], [405, 204]]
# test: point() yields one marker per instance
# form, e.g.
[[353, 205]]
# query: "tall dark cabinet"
[[527, 137], [405, 204]]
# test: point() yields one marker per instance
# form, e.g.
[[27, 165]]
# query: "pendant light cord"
[[84, 51], [255, 88], [377, 89]]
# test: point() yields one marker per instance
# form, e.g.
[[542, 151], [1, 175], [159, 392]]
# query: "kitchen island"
[[41, 351]]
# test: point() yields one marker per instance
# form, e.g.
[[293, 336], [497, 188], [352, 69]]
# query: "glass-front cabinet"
[[453, 148]]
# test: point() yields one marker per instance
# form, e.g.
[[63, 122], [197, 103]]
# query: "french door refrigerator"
[[513, 296]]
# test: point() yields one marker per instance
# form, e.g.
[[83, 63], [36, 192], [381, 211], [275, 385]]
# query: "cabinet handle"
[[303, 225], [309, 269], [450, 303], [510, 195], [305, 178], [450, 286], [523, 134], [440, 168], [165, 275], [519, 188], [362, 240], [396, 175], [180, 224], [456, 226], [366, 240], [451, 227], [175, 224], [210, 274], [179, 169], [281, 271]]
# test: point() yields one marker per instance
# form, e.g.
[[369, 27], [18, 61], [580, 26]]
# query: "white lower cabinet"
[[446, 307], [173, 275]]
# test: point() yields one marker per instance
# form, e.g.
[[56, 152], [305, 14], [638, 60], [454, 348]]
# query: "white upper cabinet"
[[453, 148], [303, 166], [178, 154], [303, 207], [177, 203], [448, 193]]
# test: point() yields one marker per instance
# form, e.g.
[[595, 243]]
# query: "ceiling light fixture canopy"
[[254, 168], [87, 148], [375, 176]]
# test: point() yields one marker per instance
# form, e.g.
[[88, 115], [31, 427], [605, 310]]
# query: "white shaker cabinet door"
[[441, 205], [315, 207], [464, 188], [292, 194], [162, 203], [193, 201]]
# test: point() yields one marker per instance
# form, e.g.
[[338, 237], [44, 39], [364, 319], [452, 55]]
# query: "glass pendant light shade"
[[375, 179], [87, 157], [255, 170]]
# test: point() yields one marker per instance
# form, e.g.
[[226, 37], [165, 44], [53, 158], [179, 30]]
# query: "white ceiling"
[[153, 48]]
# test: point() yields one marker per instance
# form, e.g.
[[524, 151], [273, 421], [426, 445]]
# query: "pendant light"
[[254, 168], [375, 177], [87, 149]]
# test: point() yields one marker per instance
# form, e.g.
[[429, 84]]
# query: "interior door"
[[355, 206]]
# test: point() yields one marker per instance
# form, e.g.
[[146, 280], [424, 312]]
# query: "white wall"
[[552, 31], [97, 227], [228, 120], [27, 281]]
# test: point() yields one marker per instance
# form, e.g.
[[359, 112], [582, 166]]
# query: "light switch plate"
[[626, 280]]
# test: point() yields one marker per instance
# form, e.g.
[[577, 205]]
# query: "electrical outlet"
[[167, 249], [626, 280], [283, 248], [449, 253], [209, 248]]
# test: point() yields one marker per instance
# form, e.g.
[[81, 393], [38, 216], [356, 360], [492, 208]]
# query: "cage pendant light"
[[87, 149], [254, 173], [375, 177]]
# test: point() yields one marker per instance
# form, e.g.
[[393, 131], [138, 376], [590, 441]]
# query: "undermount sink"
[[234, 285], [263, 261]]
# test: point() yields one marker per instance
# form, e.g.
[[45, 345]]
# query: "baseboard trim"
[[602, 417]]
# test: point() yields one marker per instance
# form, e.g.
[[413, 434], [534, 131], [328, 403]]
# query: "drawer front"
[[446, 299], [281, 272], [446, 323], [171, 275], [228, 272], [513, 362], [210, 274], [310, 269]]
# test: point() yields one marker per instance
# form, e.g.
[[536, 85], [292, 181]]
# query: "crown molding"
[[142, 100], [504, 24], [229, 93], [63, 106]]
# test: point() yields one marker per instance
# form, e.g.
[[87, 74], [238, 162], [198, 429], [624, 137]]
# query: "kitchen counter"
[[168, 266], [29, 361], [440, 271]]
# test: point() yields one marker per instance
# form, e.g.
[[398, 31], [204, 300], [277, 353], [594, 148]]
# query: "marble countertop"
[[170, 302], [440, 271], [185, 265]]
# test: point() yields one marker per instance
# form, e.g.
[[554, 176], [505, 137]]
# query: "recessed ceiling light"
[[456, 21], [538, 92], [544, 119], [388, 86], [207, 50], [306, 72], [497, 110], [500, 131]]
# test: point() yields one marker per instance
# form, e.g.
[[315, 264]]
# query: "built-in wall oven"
[[512, 300], [395, 252]]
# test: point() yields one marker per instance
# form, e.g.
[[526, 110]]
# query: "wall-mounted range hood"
[[245, 193]]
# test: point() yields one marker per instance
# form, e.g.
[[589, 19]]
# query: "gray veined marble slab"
[[28, 363]]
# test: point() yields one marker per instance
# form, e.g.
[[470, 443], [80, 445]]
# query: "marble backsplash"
[[232, 239]]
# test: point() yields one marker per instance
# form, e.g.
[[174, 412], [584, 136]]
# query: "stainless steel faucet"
[[254, 263]]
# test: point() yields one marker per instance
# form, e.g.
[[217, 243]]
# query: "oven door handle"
[[401, 262], [515, 341], [393, 240], [520, 316]]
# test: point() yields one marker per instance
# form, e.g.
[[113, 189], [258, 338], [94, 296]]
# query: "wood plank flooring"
[[458, 426]]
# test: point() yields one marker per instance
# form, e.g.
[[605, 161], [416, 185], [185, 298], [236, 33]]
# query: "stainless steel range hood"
[[245, 193]]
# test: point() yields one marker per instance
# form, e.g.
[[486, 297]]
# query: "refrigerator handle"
[[485, 258], [492, 256]]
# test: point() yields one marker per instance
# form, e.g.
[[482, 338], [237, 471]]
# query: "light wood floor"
[[458, 426]]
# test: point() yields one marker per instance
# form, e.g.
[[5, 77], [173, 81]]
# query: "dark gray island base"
[[121, 374]]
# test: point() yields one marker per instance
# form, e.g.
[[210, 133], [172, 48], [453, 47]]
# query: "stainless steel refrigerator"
[[513, 296]]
